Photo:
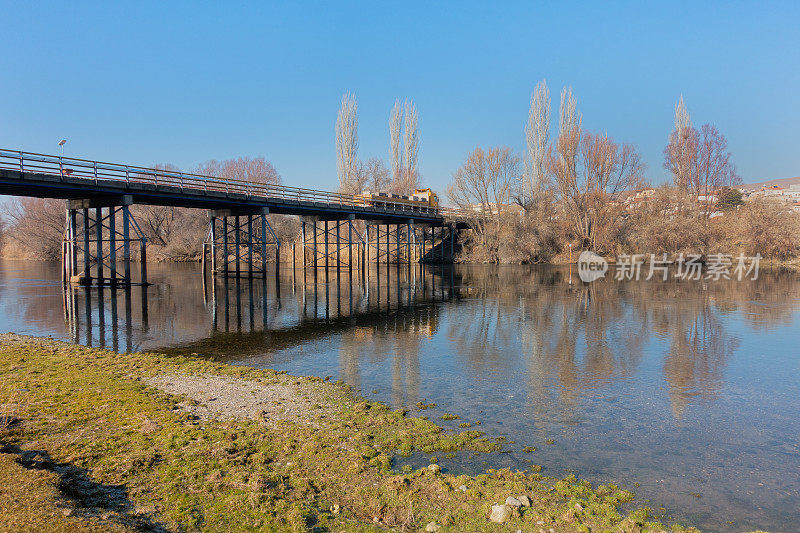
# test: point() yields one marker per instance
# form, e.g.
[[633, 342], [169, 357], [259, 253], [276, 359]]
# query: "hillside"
[[783, 182]]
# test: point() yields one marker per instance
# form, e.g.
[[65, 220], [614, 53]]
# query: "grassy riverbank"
[[97, 441]]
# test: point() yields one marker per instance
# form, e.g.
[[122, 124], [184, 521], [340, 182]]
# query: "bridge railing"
[[70, 167]]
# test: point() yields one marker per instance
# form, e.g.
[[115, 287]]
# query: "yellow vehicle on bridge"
[[421, 199]]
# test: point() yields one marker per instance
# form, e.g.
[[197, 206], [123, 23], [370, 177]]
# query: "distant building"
[[493, 208], [708, 198], [633, 199], [773, 190], [789, 194]]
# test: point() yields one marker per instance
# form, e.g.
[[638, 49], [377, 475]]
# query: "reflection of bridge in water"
[[237, 317]]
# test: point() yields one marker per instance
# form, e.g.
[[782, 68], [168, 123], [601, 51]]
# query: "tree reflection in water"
[[645, 368]]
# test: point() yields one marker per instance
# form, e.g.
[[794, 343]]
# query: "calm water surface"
[[689, 389]]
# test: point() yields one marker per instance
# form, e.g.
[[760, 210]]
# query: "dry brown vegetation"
[[35, 228], [767, 227], [572, 192]]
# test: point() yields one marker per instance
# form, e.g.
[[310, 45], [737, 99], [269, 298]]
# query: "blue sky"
[[184, 82]]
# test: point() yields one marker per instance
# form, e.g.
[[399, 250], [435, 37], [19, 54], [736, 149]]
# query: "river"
[[686, 392]]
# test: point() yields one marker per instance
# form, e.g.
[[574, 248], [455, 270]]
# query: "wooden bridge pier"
[[390, 243], [334, 242], [245, 234], [98, 242]]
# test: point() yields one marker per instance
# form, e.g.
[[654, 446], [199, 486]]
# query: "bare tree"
[[411, 139], [36, 227], [252, 169], [569, 131], [483, 184], [404, 123], [156, 221], [713, 166], [375, 175], [179, 231], [700, 162], [347, 141], [537, 135], [682, 118], [682, 148], [591, 172], [405, 183], [395, 126], [370, 175]]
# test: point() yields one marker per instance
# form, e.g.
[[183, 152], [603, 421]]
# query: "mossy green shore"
[[92, 445]]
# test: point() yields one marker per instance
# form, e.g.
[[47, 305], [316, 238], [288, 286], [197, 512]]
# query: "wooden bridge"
[[239, 238]]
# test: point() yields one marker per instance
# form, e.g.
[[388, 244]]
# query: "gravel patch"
[[229, 398]]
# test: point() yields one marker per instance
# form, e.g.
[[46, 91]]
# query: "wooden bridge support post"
[[409, 231], [73, 238], [237, 237], [213, 250], [326, 245], [250, 247], [378, 255], [338, 247], [369, 243], [362, 262], [65, 254], [315, 246], [98, 227], [350, 241], [264, 242], [424, 244], [303, 236], [126, 244], [452, 244], [143, 259], [112, 244], [225, 251], [379, 246], [388, 243], [399, 248]]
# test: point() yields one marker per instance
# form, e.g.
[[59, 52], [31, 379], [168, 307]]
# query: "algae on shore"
[[121, 453]]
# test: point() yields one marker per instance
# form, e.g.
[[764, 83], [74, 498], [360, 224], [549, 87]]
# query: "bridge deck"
[[48, 176]]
